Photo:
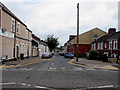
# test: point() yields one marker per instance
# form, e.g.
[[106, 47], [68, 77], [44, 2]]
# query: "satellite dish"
[[4, 30]]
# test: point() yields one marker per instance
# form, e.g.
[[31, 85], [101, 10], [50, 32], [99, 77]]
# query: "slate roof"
[[115, 35], [72, 37]]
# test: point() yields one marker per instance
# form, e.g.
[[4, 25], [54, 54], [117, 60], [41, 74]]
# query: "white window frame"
[[110, 44], [105, 45], [94, 46], [13, 24], [18, 27], [115, 45], [98, 45], [101, 45]]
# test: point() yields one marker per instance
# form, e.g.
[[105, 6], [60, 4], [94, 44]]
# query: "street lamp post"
[[77, 31]]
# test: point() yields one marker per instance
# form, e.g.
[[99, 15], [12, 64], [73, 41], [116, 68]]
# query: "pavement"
[[83, 62], [19, 63]]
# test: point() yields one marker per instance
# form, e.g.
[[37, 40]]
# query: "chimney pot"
[[111, 30]]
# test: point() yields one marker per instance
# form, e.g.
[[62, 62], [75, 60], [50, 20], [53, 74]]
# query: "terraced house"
[[108, 44], [15, 37]]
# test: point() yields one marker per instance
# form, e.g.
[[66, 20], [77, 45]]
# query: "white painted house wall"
[[42, 48]]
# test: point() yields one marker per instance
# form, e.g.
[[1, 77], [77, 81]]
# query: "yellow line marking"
[[108, 67], [13, 66], [104, 67], [71, 62]]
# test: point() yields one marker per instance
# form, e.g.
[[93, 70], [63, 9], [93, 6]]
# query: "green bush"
[[93, 54]]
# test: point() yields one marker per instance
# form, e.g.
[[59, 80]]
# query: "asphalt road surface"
[[58, 74]]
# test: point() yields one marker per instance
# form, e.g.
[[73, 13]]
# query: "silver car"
[[47, 55]]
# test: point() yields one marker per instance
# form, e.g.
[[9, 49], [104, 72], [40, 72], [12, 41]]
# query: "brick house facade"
[[15, 37], [108, 44]]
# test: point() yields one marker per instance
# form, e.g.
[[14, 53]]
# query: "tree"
[[60, 48], [52, 42]]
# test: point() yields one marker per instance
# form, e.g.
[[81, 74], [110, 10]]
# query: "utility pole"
[[77, 31]]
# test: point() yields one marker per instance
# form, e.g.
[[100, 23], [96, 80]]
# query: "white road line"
[[40, 87], [63, 68], [8, 83], [78, 69], [108, 86], [91, 69], [23, 84], [52, 68], [29, 85], [38, 69]]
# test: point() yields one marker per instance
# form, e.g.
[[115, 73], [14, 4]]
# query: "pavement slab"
[[94, 64], [20, 63]]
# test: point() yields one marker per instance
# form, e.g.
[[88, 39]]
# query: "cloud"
[[59, 18]]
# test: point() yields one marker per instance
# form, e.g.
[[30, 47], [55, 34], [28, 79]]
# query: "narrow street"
[[58, 74]]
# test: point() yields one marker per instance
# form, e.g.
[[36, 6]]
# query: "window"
[[94, 46], [101, 45], [13, 25], [18, 28], [115, 44], [105, 45], [95, 37], [110, 44], [98, 45], [27, 34], [91, 46]]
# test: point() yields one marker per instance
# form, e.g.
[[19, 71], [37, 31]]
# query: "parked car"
[[47, 55], [68, 55], [61, 53]]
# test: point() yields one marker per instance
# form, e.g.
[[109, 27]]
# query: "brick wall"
[[22, 45], [7, 47]]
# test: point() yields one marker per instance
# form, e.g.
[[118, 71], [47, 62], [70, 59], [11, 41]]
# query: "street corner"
[[108, 67], [73, 62], [21, 64]]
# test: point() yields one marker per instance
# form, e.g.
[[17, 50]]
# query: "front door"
[[17, 52]]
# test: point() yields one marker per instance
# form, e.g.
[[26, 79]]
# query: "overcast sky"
[[59, 17]]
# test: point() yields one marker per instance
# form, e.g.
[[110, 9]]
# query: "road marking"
[[91, 69], [107, 67], [23, 84], [108, 86], [52, 68], [8, 83], [29, 85], [38, 69], [71, 62], [78, 69], [40, 87], [63, 68]]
